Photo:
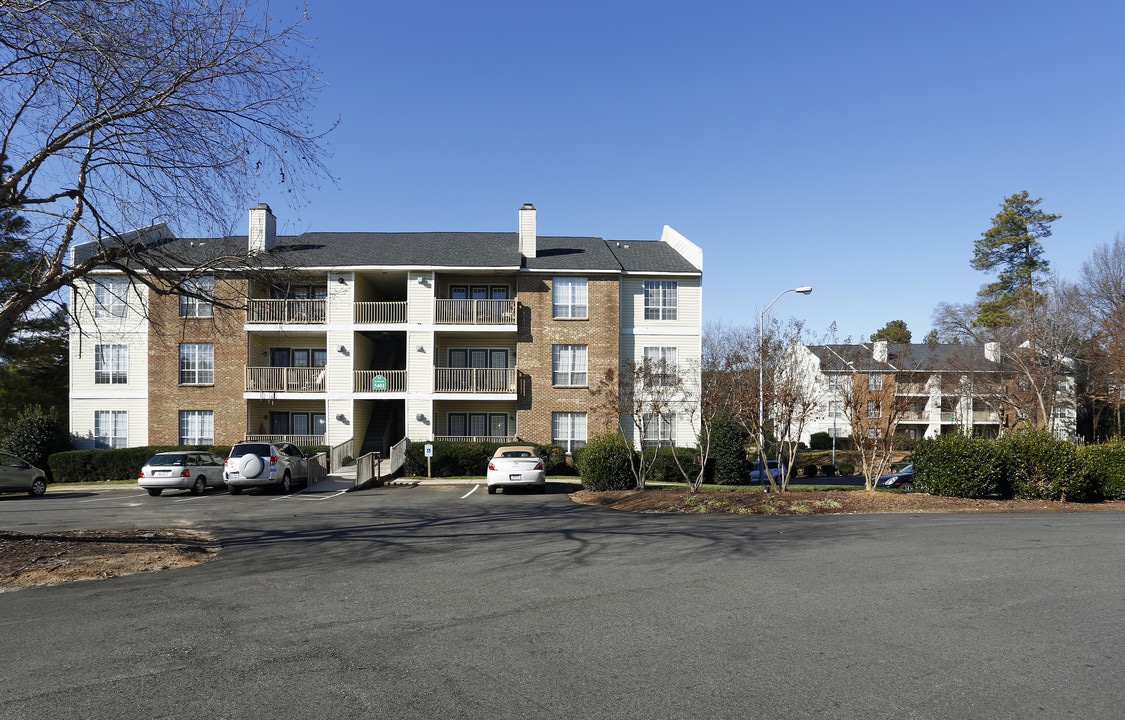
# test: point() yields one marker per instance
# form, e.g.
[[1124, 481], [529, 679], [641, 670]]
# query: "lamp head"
[[804, 289]]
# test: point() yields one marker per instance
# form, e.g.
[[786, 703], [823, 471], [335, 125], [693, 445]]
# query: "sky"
[[858, 147]]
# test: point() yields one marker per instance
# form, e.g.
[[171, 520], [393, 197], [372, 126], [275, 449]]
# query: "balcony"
[[289, 380], [379, 381], [476, 438], [380, 313], [914, 416], [298, 440], [912, 388], [278, 312], [474, 312], [475, 380]]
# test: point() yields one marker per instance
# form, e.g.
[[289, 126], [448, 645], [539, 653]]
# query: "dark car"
[[776, 470], [900, 465], [903, 479]]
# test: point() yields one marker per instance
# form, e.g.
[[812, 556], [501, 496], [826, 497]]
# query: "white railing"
[[474, 312], [339, 452], [298, 440], [285, 311], [908, 388], [475, 438], [379, 381], [284, 379], [475, 380], [380, 312]]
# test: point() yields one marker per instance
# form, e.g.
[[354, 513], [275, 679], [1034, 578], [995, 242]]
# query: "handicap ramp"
[[340, 481]]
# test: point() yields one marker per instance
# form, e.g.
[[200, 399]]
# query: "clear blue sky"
[[858, 147]]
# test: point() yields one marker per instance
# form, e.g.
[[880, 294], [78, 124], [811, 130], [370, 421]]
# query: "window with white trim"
[[874, 410], [568, 365], [197, 364], [661, 364], [660, 299], [874, 381], [660, 429], [835, 408], [197, 427], [191, 306], [109, 297], [568, 430], [111, 429], [111, 364], [570, 297]]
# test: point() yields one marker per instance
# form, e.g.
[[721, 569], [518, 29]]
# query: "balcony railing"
[[475, 380], [285, 311], [380, 312], [914, 415], [909, 388], [474, 312], [298, 440], [281, 379], [475, 438], [379, 381]]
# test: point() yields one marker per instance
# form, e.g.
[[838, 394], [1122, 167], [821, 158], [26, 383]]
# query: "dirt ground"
[[56, 558]]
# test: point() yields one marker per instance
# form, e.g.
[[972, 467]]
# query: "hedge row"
[[123, 463], [1029, 465]]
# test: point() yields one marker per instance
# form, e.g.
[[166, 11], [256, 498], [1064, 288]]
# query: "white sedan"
[[516, 465]]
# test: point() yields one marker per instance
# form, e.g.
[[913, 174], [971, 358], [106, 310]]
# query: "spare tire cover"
[[251, 466]]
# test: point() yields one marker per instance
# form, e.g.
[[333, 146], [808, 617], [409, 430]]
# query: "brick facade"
[[539, 331], [167, 330]]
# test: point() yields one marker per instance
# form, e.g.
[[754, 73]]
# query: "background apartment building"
[[368, 338]]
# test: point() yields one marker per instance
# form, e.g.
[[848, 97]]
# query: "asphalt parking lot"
[[443, 601]]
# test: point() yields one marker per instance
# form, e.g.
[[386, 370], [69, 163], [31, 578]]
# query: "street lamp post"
[[763, 467]]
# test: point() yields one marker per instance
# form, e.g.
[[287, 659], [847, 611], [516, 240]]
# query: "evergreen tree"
[[894, 331]]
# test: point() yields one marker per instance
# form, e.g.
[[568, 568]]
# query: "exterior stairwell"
[[386, 417]]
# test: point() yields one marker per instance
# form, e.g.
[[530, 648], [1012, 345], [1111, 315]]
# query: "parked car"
[[190, 470], [899, 465], [515, 465], [903, 479], [257, 464], [17, 475], [775, 469]]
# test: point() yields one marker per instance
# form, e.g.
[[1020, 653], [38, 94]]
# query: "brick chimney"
[[263, 229], [527, 230]]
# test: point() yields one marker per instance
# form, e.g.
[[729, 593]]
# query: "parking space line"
[[119, 497], [475, 487]]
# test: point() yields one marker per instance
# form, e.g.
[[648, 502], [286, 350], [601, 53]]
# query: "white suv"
[[254, 464]]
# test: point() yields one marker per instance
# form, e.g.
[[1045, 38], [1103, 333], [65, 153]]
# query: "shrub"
[[1105, 466], [846, 468], [1039, 466], [820, 441], [34, 434], [102, 465], [809, 471], [605, 463], [954, 465], [665, 469], [728, 453], [828, 470]]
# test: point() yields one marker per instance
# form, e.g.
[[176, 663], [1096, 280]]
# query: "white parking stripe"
[[118, 497], [470, 492]]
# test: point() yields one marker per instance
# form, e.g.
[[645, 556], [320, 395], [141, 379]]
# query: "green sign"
[[379, 382]]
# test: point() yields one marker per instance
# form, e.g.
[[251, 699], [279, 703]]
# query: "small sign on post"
[[429, 456]]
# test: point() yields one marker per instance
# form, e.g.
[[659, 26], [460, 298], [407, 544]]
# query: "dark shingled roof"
[[432, 249], [913, 357]]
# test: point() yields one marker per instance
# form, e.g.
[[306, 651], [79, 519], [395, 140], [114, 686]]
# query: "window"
[[570, 297], [197, 427], [193, 306], [111, 364], [109, 297], [873, 409], [660, 299], [661, 363], [569, 365], [660, 429], [477, 425], [197, 364], [835, 408], [874, 433], [874, 381], [111, 429], [568, 430], [836, 383]]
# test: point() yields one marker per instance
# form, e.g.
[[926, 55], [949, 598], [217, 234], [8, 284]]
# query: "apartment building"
[[938, 388], [368, 338]]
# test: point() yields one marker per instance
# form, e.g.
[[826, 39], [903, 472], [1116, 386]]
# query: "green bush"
[[846, 468], [809, 471], [728, 453], [820, 441], [102, 465], [828, 470], [1105, 466], [954, 465], [664, 468], [34, 434], [1039, 466], [605, 463]]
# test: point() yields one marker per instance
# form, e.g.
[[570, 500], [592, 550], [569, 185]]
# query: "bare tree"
[[794, 400], [1102, 291], [120, 114], [874, 407]]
